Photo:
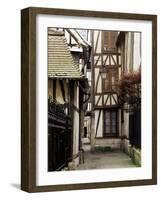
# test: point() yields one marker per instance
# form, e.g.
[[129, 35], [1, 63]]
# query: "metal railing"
[[135, 129], [59, 136]]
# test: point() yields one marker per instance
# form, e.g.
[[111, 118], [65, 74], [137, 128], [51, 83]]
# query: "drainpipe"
[[92, 131]]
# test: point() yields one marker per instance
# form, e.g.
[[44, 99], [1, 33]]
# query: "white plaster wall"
[[136, 55], [112, 101], [100, 130], [115, 96], [119, 60], [114, 143], [89, 76], [50, 88], [115, 60], [100, 84], [107, 60], [99, 87], [99, 41], [128, 51], [76, 95], [75, 133], [59, 96], [108, 101], [125, 56], [67, 36], [76, 123], [135, 52], [105, 98], [95, 34], [126, 124], [99, 100], [97, 60]]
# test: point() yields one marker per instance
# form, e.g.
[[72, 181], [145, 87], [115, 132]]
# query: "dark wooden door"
[[135, 129], [110, 123]]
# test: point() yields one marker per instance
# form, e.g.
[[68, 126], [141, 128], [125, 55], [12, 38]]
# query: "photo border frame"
[[28, 98]]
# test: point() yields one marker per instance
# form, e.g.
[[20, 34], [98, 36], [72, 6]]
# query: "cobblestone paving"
[[105, 160]]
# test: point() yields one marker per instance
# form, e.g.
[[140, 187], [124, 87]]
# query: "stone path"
[[105, 160]]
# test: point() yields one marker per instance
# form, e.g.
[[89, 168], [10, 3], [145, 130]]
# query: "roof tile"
[[60, 60]]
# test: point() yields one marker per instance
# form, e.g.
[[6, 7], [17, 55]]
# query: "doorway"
[[110, 123]]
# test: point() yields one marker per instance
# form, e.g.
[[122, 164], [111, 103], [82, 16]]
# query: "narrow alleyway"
[[105, 160]]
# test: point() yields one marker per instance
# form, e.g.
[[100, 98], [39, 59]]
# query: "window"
[[110, 83], [109, 41], [110, 123]]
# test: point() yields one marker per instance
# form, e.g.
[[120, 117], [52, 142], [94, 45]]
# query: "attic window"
[[109, 40]]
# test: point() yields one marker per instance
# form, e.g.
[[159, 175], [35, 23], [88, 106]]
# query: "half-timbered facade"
[[106, 114], [113, 55], [68, 56], [84, 68]]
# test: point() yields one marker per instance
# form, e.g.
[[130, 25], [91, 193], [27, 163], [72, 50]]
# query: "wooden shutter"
[[109, 40]]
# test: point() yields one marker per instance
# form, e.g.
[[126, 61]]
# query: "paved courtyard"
[[105, 160]]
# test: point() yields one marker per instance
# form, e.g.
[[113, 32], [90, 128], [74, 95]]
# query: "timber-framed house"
[[114, 54], [84, 69], [106, 113], [68, 56]]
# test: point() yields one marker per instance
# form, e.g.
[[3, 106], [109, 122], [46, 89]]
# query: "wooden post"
[[81, 123], [92, 135], [92, 130]]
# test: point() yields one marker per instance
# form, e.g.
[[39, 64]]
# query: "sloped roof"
[[78, 38], [60, 60]]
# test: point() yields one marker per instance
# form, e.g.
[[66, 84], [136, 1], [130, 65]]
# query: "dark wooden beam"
[[62, 89], [99, 114], [106, 100], [96, 87], [108, 53], [98, 99], [105, 107], [97, 60], [102, 93], [108, 66]]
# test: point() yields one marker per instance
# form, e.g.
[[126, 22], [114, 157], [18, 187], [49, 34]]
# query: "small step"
[[85, 140]]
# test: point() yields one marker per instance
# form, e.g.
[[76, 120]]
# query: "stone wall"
[[134, 153], [113, 143]]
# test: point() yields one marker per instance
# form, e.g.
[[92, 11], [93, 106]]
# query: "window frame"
[[107, 50], [111, 135], [111, 85]]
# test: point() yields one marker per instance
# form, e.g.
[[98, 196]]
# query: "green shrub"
[[103, 149]]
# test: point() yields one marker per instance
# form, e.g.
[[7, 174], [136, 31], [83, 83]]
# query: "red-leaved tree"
[[129, 90]]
